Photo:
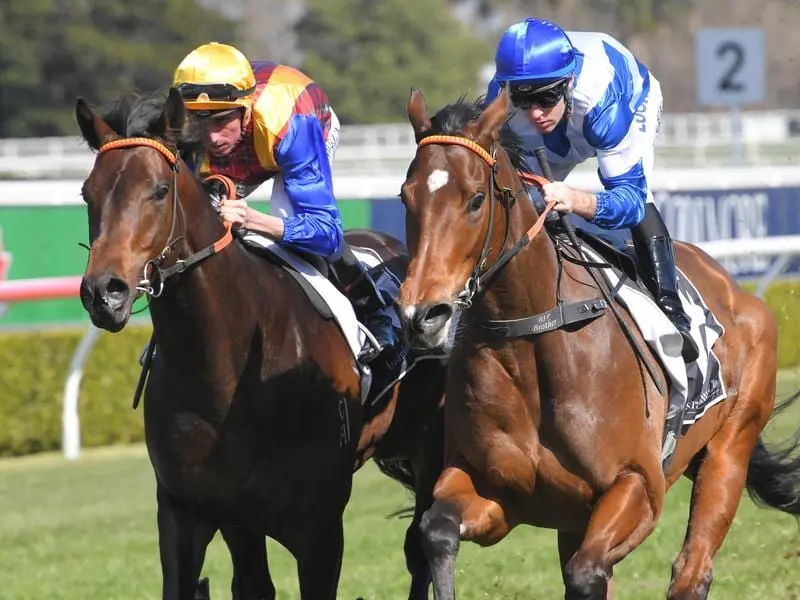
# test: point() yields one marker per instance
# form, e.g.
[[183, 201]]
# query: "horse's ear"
[[173, 116], [418, 113], [492, 119], [95, 130]]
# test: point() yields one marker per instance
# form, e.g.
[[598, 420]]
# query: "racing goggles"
[[215, 91], [526, 95]]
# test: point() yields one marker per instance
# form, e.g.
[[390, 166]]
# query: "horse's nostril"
[[116, 292], [116, 286], [432, 318], [439, 312]]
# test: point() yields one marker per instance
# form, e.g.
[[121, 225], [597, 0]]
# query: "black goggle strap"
[[214, 91]]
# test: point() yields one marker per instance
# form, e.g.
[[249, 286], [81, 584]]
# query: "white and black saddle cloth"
[[693, 388]]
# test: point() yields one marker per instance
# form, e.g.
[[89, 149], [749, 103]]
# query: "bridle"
[[480, 275], [155, 275]]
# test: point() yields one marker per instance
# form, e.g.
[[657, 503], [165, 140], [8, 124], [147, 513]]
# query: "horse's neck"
[[526, 285], [206, 312]]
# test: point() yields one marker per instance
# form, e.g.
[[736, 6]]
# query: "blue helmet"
[[534, 50]]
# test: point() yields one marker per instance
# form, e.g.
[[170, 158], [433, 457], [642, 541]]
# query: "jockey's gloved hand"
[[216, 191]]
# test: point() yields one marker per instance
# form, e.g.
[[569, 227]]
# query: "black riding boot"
[[657, 260], [370, 305]]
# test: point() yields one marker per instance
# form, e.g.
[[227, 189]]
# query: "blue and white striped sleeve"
[[620, 166]]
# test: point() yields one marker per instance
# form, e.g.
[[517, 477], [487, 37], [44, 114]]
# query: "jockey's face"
[[225, 133], [545, 120]]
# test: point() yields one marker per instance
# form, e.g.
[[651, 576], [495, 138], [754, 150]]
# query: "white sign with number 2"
[[730, 66]]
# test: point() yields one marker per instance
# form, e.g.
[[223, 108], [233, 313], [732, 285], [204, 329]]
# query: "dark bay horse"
[[564, 429], [252, 411]]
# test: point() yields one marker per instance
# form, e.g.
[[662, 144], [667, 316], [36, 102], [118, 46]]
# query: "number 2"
[[728, 82]]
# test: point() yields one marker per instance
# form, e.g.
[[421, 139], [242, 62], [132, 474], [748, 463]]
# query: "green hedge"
[[35, 366], [34, 370]]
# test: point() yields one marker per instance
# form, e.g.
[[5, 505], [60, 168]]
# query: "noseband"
[[480, 277], [154, 265]]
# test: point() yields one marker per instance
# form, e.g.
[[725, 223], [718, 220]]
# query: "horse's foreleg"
[[568, 545], [623, 517], [458, 512], [416, 563], [183, 537], [251, 578], [426, 472], [318, 551]]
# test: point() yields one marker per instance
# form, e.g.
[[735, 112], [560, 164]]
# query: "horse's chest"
[[263, 448], [521, 439], [497, 436], [190, 453]]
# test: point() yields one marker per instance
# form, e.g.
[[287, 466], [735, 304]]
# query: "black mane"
[[454, 118], [134, 114]]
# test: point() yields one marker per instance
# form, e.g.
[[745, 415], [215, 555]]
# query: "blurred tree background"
[[365, 53], [53, 51], [368, 54]]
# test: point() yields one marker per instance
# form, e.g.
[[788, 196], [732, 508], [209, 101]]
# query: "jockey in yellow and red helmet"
[[270, 121], [266, 120]]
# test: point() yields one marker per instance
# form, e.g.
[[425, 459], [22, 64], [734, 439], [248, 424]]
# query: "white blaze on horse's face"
[[437, 180]]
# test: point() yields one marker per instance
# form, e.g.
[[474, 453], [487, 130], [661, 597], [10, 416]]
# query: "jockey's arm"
[[620, 167], [620, 161], [264, 223], [316, 226]]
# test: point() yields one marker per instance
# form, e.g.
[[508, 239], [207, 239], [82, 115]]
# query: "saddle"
[[615, 249], [381, 273]]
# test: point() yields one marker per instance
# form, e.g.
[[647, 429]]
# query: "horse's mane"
[[135, 114], [454, 118]]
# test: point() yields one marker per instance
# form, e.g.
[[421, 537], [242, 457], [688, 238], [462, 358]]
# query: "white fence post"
[[70, 422]]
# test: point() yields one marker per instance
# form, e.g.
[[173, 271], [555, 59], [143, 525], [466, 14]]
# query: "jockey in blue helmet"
[[583, 95]]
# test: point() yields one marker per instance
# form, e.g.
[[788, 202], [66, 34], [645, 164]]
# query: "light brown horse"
[[564, 429], [253, 414]]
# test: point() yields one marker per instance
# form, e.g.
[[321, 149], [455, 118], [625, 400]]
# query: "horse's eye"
[[476, 202], [161, 191]]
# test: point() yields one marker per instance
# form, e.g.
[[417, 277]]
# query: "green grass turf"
[[86, 531]]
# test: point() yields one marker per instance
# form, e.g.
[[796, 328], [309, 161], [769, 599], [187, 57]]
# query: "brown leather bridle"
[[480, 276]]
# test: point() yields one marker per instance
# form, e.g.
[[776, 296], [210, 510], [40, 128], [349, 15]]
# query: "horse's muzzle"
[[426, 325], [107, 299]]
